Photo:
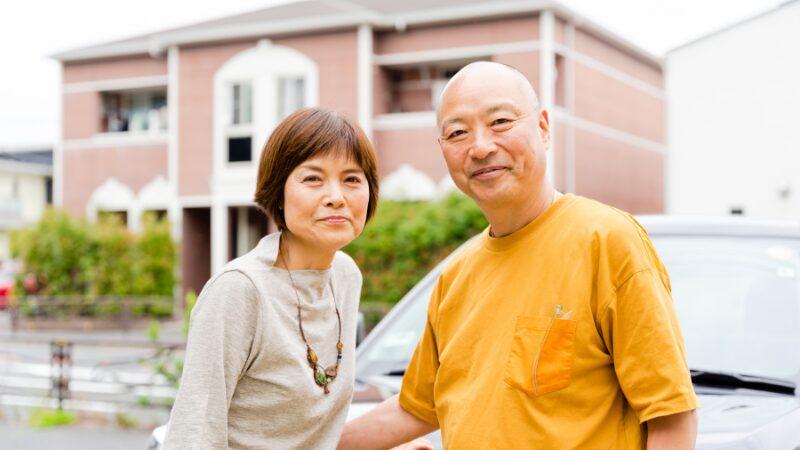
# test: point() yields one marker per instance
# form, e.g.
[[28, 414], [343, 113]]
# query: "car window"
[[738, 301]]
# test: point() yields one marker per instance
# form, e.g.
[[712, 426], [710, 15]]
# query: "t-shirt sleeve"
[[640, 327], [222, 331], [416, 394]]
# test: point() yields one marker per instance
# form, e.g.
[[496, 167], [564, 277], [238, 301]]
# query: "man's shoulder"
[[465, 255], [601, 221]]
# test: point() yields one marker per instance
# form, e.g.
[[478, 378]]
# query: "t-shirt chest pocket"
[[541, 355]]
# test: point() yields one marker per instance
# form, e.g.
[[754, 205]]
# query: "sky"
[[33, 30]]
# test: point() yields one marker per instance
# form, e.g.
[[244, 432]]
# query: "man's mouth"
[[485, 172]]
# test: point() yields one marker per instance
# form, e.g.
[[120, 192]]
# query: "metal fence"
[[102, 312]]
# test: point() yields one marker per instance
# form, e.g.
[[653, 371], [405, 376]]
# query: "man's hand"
[[676, 431], [386, 426]]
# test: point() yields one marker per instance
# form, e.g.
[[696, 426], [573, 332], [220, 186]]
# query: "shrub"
[[405, 240], [70, 257]]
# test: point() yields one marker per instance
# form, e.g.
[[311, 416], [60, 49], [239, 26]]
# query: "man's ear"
[[544, 127]]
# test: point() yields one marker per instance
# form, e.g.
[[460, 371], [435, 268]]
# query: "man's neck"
[[509, 218]]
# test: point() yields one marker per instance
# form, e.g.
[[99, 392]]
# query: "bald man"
[[555, 328]]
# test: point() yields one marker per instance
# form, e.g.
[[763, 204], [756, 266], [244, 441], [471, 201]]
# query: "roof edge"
[[155, 44]]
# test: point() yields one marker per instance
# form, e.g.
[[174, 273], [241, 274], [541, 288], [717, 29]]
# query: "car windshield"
[[396, 341], [738, 302]]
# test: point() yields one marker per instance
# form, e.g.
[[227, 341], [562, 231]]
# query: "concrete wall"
[[734, 116], [614, 127]]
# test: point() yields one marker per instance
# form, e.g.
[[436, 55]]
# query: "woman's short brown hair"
[[306, 134]]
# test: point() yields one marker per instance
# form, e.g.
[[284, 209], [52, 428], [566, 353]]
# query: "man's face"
[[493, 137]]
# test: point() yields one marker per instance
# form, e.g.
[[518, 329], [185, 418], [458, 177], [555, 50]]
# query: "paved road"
[[20, 437]]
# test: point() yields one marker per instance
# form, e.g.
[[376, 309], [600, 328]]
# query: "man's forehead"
[[459, 111], [487, 87]]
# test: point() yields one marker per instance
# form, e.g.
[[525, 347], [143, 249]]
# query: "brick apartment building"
[[174, 121]]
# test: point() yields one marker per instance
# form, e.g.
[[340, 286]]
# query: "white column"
[[569, 99], [365, 79], [58, 149], [547, 79], [174, 208], [219, 236], [134, 218]]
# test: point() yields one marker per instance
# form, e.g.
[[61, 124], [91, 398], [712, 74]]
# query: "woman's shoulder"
[[345, 264], [229, 282]]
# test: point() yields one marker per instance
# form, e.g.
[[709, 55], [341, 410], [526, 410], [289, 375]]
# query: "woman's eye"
[[353, 179], [311, 179]]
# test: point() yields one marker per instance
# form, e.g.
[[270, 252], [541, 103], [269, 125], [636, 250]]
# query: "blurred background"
[[130, 135]]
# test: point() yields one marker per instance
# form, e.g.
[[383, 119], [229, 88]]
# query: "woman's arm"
[[223, 325]]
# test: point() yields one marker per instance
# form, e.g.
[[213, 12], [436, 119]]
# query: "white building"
[[733, 102], [25, 190]]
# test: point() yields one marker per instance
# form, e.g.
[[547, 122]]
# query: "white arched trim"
[[112, 195]]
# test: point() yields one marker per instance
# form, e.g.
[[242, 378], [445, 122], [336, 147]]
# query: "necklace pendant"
[[331, 372]]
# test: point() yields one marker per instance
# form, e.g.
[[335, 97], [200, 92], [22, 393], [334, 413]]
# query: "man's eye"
[[455, 134], [501, 121]]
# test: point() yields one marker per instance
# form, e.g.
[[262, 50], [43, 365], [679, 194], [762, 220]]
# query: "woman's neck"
[[295, 254]]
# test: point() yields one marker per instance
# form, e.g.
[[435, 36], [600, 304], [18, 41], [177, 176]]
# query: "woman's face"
[[325, 201]]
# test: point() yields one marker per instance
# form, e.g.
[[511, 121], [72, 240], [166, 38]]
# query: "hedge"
[[405, 240], [69, 257]]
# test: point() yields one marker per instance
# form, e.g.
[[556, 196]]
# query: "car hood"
[[740, 421], [726, 420]]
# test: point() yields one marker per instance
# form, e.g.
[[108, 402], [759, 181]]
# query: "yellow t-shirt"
[[577, 297]]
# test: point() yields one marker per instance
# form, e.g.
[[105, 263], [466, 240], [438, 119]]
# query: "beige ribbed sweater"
[[246, 382]]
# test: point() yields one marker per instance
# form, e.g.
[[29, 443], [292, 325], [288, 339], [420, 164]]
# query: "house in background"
[[174, 121], [734, 114], [26, 189]]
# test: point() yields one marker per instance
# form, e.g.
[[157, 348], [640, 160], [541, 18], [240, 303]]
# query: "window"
[[417, 88], [240, 125], [291, 96], [242, 104], [134, 111], [48, 190], [240, 149]]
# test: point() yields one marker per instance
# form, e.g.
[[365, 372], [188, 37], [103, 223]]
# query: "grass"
[[47, 418], [125, 421]]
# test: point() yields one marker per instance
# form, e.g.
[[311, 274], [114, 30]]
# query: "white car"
[[736, 288]]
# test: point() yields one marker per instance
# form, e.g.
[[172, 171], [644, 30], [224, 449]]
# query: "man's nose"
[[483, 144]]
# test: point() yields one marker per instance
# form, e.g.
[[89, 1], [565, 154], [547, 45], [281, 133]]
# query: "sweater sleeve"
[[223, 327]]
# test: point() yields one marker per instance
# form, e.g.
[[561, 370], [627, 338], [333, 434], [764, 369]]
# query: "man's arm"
[[675, 431], [386, 426]]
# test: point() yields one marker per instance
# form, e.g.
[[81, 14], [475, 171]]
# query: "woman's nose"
[[334, 195]]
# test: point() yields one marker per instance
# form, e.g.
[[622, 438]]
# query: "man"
[[555, 328]]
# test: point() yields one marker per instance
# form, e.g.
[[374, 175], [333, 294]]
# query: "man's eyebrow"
[[451, 121], [505, 106]]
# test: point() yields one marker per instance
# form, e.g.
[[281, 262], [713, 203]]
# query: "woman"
[[269, 359]]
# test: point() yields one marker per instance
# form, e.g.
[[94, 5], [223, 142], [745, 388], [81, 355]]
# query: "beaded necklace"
[[323, 377]]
